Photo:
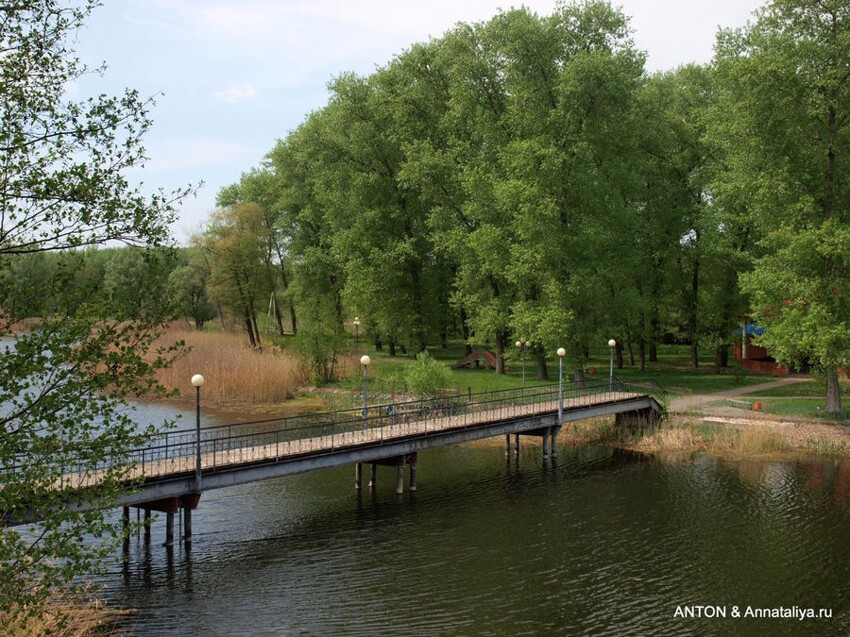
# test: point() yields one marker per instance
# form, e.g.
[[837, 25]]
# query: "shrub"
[[426, 376]]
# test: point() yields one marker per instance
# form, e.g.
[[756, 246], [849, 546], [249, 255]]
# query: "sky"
[[232, 77]]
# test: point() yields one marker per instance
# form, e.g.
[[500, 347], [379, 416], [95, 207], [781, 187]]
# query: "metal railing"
[[174, 452]]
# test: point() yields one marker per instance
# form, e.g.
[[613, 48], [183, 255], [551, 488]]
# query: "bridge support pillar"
[[358, 475], [169, 529], [554, 444], [507, 445], [637, 419], [546, 444], [187, 525], [413, 476], [147, 526], [516, 445], [399, 489], [373, 476], [125, 529]]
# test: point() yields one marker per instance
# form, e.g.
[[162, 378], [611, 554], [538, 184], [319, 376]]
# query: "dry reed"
[[712, 439], [67, 615], [234, 373]]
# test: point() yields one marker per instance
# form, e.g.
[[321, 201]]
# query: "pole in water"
[[187, 524], [373, 476], [358, 475], [399, 489], [507, 445], [125, 524], [147, 526], [412, 477], [169, 529]]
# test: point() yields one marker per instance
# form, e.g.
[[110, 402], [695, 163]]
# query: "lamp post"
[[612, 344], [364, 361], [356, 332], [561, 353], [523, 345], [197, 382]]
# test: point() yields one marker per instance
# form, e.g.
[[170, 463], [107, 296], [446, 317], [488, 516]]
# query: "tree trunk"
[[278, 317], [721, 356], [250, 330], [292, 318], [833, 392], [501, 339], [391, 345], [465, 331], [542, 370], [694, 355], [256, 331], [220, 315], [578, 377]]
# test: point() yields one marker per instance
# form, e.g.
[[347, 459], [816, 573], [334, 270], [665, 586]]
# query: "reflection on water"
[[602, 543]]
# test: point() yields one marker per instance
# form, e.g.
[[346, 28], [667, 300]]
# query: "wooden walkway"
[[164, 474], [221, 458]]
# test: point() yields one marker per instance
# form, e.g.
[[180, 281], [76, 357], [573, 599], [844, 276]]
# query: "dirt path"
[[695, 402]]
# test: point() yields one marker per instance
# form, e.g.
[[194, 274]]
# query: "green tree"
[[236, 243], [786, 93], [261, 187], [64, 383], [188, 281]]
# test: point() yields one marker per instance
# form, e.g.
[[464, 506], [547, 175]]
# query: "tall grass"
[[233, 372], [65, 615], [712, 439]]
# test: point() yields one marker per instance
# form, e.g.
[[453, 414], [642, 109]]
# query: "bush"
[[427, 376]]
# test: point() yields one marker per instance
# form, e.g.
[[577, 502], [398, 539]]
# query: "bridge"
[[171, 471]]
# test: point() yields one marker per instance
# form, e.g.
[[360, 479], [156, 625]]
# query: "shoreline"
[[717, 431]]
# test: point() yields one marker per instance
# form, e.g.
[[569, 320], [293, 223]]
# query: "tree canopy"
[[524, 178]]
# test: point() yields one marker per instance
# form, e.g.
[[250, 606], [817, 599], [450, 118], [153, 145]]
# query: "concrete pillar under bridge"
[[549, 436], [399, 462], [638, 419], [171, 507]]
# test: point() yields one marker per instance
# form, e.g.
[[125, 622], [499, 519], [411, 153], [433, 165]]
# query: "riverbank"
[[717, 435]]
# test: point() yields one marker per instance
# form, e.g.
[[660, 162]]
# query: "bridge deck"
[[221, 455]]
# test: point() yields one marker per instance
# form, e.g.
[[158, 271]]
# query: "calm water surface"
[[602, 543]]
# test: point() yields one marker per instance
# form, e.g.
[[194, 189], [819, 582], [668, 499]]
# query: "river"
[[604, 542]]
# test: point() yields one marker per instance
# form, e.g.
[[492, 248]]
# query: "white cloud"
[[236, 93], [188, 153]]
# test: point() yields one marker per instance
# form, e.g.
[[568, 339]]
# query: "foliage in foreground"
[[65, 382]]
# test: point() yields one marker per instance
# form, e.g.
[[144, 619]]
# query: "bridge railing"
[[643, 386], [174, 451]]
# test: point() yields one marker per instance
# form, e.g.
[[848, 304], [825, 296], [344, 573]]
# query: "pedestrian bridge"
[[173, 469]]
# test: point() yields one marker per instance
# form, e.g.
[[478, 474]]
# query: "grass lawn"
[[811, 389], [801, 406], [673, 371]]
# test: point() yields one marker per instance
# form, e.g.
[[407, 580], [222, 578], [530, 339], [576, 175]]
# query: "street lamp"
[[612, 344], [522, 347], [197, 382], [561, 353], [364, 361], [356, 331]]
